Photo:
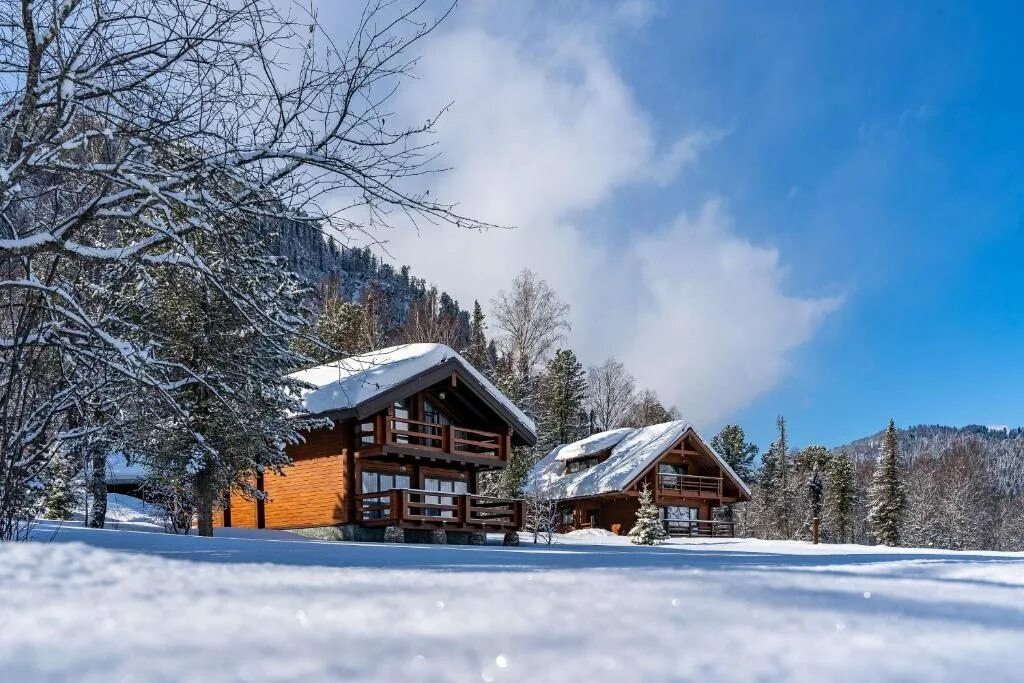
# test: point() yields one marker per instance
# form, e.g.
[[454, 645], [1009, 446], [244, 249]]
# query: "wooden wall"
[[310, 492]]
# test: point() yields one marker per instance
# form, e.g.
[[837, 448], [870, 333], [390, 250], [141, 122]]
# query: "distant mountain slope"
[[355, 272], [927, 438]]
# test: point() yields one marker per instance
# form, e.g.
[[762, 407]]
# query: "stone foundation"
[[394, 534]]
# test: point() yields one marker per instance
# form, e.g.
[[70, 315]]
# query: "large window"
[[433, 415], [454, 486], [672, 468], [375, 507]]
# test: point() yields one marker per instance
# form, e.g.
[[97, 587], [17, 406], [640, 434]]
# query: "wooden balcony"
[[401, 435], [416, 508], [699, 527], [689, 485]]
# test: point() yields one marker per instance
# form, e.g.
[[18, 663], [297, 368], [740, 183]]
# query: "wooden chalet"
[[414, 426], [597, 481]]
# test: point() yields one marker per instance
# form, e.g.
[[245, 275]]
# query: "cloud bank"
[[540, 136]]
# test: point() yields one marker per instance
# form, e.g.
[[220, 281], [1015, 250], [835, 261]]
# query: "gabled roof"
[[361, 385], [632, 452]]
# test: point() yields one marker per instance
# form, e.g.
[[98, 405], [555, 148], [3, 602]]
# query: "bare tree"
[[532, 320], [541, 515], [131, 128], [612, 394]]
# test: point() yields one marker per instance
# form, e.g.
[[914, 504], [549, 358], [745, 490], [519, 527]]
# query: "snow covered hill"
[[119, 605]]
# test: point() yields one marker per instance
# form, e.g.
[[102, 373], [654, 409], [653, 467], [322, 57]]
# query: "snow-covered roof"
[[120, 472], [595, 443], [633, 451], [353, 381]]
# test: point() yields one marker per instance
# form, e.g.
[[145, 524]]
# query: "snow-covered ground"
[[97, 605]]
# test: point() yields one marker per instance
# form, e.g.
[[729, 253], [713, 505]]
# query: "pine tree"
[[233, 421], [62, 491], [563, 390], [887, 495], [731, 444], [840, 493], [648, 529], [476, 352], [781, 486], [811, 463]]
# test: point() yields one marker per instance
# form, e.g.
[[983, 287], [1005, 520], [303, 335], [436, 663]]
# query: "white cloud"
[[540, 134]]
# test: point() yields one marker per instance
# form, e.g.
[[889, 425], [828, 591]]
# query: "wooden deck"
[[689, 485], [405, 436], [699, 527], [419, 509]]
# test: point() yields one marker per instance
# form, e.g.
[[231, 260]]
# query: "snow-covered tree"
[[731, 443], [811, 464], [648, 529], [563, 390], [611, 393], [840, 493], [540, 512], [133, 130], [887, 494], [63, 489]]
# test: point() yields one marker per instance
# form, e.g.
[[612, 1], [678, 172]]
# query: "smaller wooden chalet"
[[414, 426], [597, 481]]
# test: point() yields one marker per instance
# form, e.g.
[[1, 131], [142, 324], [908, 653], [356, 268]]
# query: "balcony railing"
[[429, 436], [690, 484], [433, 509], [699, 527]]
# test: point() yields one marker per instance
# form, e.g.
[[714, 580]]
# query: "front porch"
[[420, 509]]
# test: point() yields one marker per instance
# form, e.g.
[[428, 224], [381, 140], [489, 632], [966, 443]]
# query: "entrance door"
[[433, 415], [440, 485]]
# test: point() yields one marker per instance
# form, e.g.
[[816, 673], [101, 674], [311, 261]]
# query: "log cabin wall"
[[310, 492]]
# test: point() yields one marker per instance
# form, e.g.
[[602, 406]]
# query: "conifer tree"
[[62, 491], [840, 493], [811, 464], [476, 352], [563, 390], [648, 529], [887, 495], [781, 486], [232, 418], [731, 444]]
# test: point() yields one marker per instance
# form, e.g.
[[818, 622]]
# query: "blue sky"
[[879, 147], [808, 209]]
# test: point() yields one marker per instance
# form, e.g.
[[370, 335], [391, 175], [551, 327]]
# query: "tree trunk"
[[204, 503], [98, 487]]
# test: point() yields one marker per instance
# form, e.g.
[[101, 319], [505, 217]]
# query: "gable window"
[[400, 409], [433, 415]]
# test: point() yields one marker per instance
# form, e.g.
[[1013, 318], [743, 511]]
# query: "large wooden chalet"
[[414, 426], [597, 481]]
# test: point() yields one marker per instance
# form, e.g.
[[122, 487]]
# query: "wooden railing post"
[[446, 438]]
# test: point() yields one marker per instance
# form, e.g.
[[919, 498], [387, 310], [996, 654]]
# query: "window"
[[454, 486], [592, 518], [371, 482], [672, 468], [679, 513], [567, 520], [401, 411], [580, 464], [433, 415]]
